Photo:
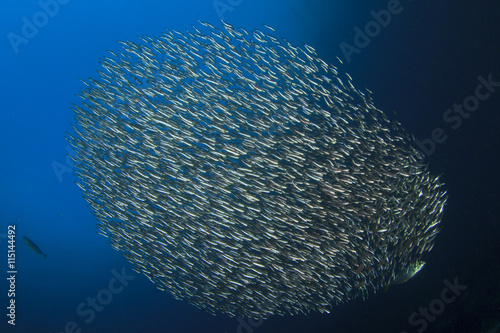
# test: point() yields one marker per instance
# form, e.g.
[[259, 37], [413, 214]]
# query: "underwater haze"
[[248, 166]]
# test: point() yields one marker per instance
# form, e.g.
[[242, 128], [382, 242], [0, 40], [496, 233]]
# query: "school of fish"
[[247, 176]]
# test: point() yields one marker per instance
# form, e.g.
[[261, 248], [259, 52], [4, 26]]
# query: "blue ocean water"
[[425, 59]]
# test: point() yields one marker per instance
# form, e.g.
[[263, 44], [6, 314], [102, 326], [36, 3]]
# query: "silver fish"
[[33, 247], [247, 176]]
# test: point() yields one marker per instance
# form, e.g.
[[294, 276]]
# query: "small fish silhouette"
[[33, 246]]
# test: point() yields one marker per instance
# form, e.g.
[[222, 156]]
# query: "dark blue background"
[[428, 58]]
